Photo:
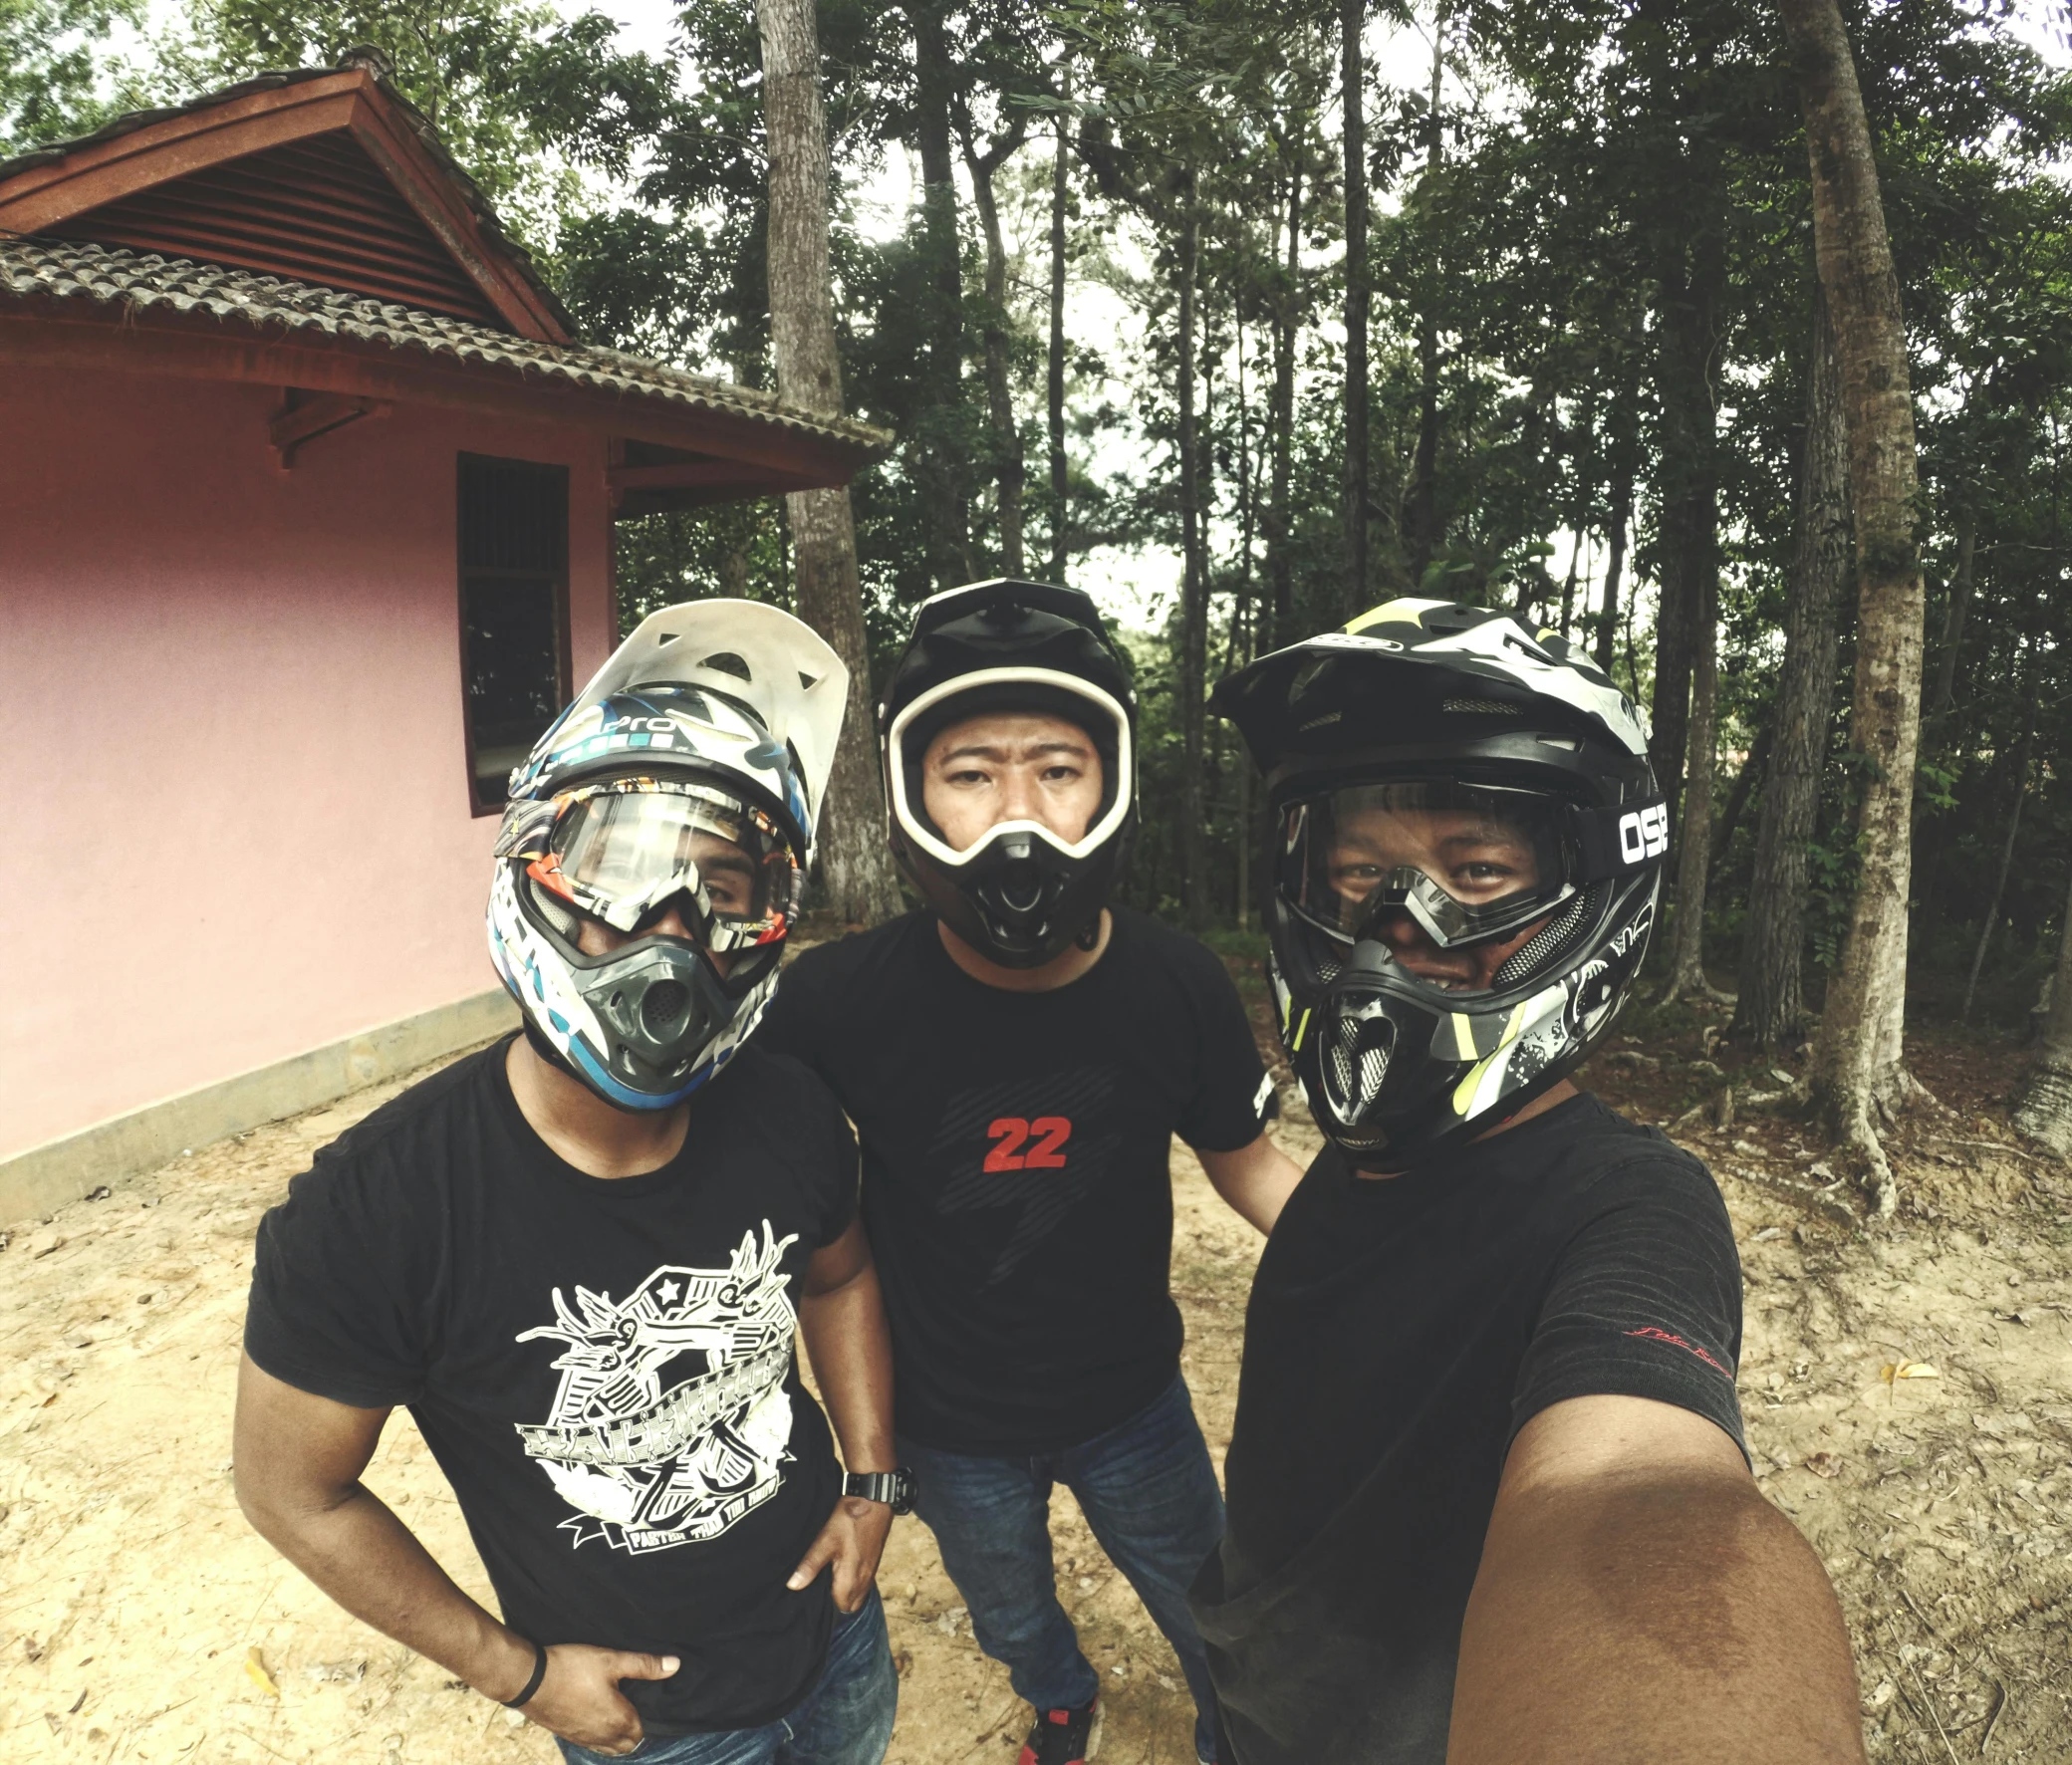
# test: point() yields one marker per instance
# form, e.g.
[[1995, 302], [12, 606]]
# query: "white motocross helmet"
[[689, 772]]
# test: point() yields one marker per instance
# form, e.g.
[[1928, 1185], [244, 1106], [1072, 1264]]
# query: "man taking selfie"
[[1488, 1498]]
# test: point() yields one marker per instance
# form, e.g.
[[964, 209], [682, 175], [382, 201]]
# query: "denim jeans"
[[846, 1719], [1149, 1494]]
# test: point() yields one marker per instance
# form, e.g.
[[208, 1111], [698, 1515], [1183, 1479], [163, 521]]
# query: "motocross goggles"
[[622, 851], [1468, 863]]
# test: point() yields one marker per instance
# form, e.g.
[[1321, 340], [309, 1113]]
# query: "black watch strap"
[[893, 1488]]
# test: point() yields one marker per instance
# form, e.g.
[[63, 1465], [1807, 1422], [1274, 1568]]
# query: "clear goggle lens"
[[1470, 863], [623, 851]]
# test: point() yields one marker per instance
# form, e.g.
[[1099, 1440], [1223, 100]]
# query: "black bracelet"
[[539, 1672]]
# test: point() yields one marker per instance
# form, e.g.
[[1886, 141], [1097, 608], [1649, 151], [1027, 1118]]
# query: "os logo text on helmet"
[[1644, 833]]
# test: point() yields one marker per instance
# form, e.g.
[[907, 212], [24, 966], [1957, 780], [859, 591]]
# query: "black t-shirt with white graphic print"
[[604, 1369], [1399, 1334], [1016, 1151]]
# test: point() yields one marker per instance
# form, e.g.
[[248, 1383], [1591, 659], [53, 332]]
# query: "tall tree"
[[1857, 1064], [1359, 299], [1769, 1011], [1060, 475], [983, 157], [856, 866]]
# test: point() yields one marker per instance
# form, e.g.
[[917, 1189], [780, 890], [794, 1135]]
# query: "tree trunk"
[[1194, 674], [1280, 562], [1420, 535], [1056, 386], [1857, 1062], [1694, 847], [1954, 616], [1614, 565], [2045, 1110], [1753, 765], [942, 445], [1352, 67], [1993, 909], [1009, 468], [856, 866], [1690, 286], [1770, 1012]]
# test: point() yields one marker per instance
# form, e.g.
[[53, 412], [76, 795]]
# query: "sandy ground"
[[142, 1620]]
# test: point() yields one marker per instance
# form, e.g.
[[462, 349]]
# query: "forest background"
[[1558, 345]]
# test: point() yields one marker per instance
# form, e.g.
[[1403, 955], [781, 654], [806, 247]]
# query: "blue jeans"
[[846, 1719], [1149, 1494]]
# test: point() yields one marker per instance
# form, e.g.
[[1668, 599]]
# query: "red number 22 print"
[[1045, 1137]]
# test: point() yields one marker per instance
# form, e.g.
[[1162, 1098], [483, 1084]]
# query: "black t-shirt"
[[1016, 1151], [1399, 1334], [603, 1368]]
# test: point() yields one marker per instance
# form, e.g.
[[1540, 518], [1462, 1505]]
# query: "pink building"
[[305, 499]]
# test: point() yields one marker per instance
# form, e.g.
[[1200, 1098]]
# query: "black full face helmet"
[[1021, 893], [1447, 768]]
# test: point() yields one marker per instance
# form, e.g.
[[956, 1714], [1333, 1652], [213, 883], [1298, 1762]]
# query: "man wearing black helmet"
[[1490, 1500], [1016, 1058]]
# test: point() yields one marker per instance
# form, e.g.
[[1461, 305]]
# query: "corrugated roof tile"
[[73, 270]]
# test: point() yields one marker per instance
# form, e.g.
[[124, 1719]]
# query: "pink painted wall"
[[231, 710]]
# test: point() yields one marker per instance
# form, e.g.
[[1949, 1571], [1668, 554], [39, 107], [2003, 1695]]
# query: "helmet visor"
[[1468, 863], [622, 851]]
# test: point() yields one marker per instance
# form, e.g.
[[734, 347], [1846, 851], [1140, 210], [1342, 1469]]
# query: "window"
[[514, 647]]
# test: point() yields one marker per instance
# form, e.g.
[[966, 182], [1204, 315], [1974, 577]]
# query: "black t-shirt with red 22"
[[1016, 1149]]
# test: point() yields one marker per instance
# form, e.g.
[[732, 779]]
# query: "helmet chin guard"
[[1021, 893], [1447, 781]]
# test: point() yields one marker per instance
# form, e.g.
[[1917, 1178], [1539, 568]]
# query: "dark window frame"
[[465, 572]]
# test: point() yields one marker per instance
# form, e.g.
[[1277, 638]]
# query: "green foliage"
[[51, 56]]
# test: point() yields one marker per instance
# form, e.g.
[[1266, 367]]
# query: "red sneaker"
[[1063, 1737]]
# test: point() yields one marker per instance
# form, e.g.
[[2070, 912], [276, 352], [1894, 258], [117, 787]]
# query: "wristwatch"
[[893, 1488]]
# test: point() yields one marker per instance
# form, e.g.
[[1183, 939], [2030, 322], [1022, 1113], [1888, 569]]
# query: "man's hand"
[[579, 1699], [853, 1540]]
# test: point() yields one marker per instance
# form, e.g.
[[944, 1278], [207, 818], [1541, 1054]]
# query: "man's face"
[[1475, 857], [1011, 766], [730, 878]]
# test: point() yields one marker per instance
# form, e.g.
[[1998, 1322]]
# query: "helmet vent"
[[663, 1009], [1479, 707], [727, 662], [1553, 940]]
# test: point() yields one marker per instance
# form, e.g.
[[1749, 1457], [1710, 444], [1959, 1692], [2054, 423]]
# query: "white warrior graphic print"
[[647, 1456]]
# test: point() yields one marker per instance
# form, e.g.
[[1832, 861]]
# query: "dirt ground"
[[142, 1620]]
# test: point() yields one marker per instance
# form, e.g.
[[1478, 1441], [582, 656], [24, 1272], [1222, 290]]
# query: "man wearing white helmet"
[[581, 1258], [1489, 1496], [1017, 1058]]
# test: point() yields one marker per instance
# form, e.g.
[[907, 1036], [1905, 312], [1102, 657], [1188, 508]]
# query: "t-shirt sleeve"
[[343, 1286], [1644, 1300], [845, 1172], [787, 1021], [1232, 1096]]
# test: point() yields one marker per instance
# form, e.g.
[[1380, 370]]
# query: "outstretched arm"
[[1255, 1180], [298, 1461], [842, 1316], [1638, 1601]]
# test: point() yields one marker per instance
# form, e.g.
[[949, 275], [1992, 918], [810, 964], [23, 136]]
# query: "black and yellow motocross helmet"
[[1446, 776]]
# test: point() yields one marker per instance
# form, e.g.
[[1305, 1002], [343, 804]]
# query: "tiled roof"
[[373, 63], [69, 271]]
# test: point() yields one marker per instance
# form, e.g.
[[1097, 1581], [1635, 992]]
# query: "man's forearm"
[[1255, 1180], [852, 1354], [1670, 1620], [373, 1565]]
